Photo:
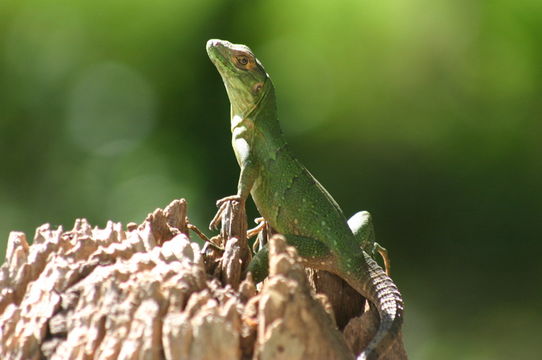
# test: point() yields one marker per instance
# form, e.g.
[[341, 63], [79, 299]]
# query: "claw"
[[221, 204], [257, 229], [215, 223], [198, 232], [384, 254]]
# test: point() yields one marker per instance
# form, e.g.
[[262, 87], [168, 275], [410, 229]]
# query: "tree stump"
[[149, 292]]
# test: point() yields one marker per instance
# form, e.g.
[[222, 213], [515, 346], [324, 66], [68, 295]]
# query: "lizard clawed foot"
[[198, 232], [257, 229], [385, 257], [226, 199], [203, 237], [263, 231], [222, 203]]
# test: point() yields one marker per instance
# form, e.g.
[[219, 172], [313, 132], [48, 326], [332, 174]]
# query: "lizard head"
[[244, 76]]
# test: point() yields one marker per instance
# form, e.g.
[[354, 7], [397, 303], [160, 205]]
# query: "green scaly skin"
[[291, 200]]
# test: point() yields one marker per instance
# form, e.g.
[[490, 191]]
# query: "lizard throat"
[[252, 111]]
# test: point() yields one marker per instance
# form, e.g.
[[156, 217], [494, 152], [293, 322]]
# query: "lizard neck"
[[260, 123]]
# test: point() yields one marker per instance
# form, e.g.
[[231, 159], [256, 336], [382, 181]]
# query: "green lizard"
[[291, 200]]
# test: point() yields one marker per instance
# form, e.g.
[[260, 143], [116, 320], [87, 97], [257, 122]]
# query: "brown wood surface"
[[148, 292]]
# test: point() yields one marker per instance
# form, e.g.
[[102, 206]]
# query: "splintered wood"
[[148, 292]]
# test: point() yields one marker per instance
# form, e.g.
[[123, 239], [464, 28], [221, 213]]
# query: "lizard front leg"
[[362, 227], [247, 177]]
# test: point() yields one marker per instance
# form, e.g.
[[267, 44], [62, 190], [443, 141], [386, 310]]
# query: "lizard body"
[[290, 199]]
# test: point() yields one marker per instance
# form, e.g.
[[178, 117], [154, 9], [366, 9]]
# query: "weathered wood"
[[149, 292]]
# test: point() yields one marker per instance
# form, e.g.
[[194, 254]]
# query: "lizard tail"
[[382, 292]]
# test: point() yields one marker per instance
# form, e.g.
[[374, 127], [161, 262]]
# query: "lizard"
[[291, 200]]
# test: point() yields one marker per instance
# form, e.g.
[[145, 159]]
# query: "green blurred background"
[[427, 113]]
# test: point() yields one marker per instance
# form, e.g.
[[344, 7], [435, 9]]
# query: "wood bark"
[[148, 292]]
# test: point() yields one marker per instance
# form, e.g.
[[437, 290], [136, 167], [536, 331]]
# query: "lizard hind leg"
[[314, 253], [361, 225]]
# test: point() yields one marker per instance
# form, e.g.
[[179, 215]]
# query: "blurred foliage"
[[109, 109]]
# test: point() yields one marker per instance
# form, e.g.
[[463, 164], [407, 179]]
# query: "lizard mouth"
[[216, 42], [216, 50]]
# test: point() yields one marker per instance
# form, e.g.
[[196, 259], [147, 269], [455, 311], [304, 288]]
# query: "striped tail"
[[380, 290]]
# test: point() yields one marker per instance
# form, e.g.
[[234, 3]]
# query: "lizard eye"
[[242, 60]]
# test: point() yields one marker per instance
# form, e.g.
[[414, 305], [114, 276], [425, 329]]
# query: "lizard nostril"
[[212, 43]]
